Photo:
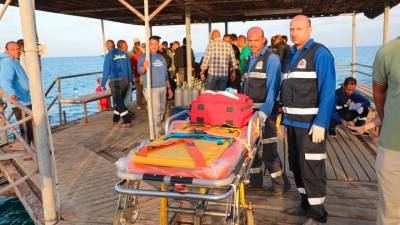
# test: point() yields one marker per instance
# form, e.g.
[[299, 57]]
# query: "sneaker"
[[332, 132], [311, 221], [278, 189], [297, 211]]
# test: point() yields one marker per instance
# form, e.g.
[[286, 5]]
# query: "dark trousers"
[[307, 162], [349, 115], [118, 92], [215, 83], [28, 133], [270, 157], [237, 82]]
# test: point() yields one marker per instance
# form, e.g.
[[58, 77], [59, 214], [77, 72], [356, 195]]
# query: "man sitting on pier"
[[349, 106]]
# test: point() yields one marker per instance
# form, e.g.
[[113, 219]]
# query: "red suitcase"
[[219, 108]]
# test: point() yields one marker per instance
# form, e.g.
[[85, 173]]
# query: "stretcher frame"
[[231, 190]]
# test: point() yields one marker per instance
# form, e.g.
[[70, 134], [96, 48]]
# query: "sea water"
[[11, 210]]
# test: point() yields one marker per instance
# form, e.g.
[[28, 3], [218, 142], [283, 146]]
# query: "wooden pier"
[[85, 156]]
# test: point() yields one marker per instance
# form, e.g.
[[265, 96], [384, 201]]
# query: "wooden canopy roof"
[[203, 11]]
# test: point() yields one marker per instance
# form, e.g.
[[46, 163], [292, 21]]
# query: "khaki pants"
[[159, 97], [387, 168]]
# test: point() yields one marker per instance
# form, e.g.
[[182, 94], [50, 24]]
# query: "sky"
[[79, 36]]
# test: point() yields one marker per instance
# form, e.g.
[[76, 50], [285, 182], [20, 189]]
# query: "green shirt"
[[386, 71], [244, 56]]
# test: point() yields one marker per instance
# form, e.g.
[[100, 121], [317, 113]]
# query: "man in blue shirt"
[[15, 85], [307, 95], [117, 68], [349, 106], [263, 78], [159, 81]]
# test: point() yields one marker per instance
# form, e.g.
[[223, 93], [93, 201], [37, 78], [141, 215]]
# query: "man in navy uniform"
[[307, 95], [349, 106], [263, 78]]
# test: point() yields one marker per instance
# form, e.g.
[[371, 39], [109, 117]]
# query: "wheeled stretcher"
[[195, 170]]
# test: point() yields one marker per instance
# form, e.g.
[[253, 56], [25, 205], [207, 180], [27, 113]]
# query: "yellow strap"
[[278, 123]]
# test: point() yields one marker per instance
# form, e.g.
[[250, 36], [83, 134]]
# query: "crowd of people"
[[298, 82]]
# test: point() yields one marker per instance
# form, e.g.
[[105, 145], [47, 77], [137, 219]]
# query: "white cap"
[[136, 40]]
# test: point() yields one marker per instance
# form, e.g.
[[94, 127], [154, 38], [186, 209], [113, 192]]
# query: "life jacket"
[[299, 90]]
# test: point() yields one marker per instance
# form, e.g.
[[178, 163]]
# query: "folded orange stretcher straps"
[[190, 147]]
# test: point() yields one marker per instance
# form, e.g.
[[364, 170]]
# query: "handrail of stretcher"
[[175, 195]]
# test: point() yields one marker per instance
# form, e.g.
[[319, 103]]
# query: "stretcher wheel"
[[129, 214]]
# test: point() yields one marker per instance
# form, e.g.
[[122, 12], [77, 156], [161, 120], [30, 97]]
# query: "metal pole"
[[226, 27], [148, 73], [151, 30], [59, 102], [41, 122], [103, 37], [353, 46], [4, 139], [188, 47], [209, 29], [386, 14]]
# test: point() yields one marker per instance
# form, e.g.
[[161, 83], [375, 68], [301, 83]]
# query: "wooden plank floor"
[[85, 154]]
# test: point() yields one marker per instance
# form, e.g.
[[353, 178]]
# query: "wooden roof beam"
[[159, 8], [93, 10], [3, 10], [132, 9]]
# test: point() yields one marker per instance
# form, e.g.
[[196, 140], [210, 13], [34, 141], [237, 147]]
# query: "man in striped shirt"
[[220, 61]]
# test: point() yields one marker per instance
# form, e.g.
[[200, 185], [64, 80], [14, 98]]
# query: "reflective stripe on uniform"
[[300, 111], [315, 156], [257, 75], [277, 174], [316, 201], [270, 140], [339, 107], [255, 170], [116, 112], [303, 75], [124, 113], [257, 105], [302, 190]]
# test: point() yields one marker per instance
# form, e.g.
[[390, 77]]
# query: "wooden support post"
[[59, 102], [132, 9], [103, 37], [5, 6], [188, 47], [148, 72], [41, 122], [226, 27], [386, 15], [4, 139], [159, 8], [209, 29], [353, 46]]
